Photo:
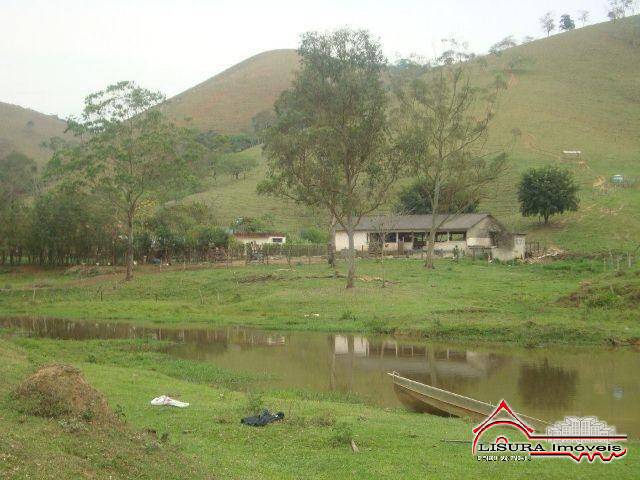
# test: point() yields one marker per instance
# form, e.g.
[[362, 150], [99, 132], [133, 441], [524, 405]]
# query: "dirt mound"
[[61, 391]]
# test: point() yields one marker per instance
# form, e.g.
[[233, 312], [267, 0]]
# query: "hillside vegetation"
[[580, 91], [25, 130], [230, 199]]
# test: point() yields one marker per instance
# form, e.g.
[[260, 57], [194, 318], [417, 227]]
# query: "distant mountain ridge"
[[227, 102]]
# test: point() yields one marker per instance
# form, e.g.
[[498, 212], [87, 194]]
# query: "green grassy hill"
[[24, 130], [582, 92], [231, 198]]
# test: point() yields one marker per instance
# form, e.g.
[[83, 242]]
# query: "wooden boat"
[[427, 399]]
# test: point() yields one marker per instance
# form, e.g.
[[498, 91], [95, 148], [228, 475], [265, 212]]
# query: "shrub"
[[348, 315], [314, 235], [255, 402], [342, 433]]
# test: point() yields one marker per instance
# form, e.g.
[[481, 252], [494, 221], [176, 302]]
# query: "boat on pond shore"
[[424, 398]]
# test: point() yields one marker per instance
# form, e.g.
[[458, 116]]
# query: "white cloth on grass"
[[164, 400]]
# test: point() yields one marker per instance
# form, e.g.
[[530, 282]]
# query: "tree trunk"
[[129, 275], [351, 254], [432, 235], [331, 246], [431, 244]]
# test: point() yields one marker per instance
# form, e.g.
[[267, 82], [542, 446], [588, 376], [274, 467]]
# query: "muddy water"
[[547, 383]]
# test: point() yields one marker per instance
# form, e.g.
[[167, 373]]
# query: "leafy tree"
[[70, 225], [505, 43], [415, 199], [314, 235], [263, 120], [455, 51], [583, 17], [566, 22], [329, 145], [18, 179], [250, 224], [210, 236], [528, 39], [518, 63], [442, 125], [547, 23], [620, 8], [237, 163], [547, 191], [128, 153], [217, 148], [179, 229]]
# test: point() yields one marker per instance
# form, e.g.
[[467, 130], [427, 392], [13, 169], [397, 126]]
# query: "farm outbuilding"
[[260, 238], [469, 233]]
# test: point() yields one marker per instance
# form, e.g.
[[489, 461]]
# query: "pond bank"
[[206, 439], [546, 383], [565, 302]]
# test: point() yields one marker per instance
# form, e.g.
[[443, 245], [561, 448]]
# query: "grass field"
[[230, 198], [571, 301], [206, 440]]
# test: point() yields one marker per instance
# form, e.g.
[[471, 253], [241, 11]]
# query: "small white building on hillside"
[[409, 233], [260, 238]]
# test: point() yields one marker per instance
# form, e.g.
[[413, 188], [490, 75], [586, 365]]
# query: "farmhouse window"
[[458, 236], [390, 237], [277, 239], [405, 236], [442, 236]]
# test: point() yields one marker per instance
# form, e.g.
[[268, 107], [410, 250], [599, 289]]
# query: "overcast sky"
[[54, 52]]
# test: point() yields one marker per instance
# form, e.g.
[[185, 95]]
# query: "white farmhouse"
[[409, 233]]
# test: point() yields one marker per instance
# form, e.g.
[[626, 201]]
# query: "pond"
[[547, 383]]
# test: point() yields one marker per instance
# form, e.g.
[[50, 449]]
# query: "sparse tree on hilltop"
[[583, 17], [505, 43], [566, 23], [620, 8], [546, 192], [547, 23], [328, 147]]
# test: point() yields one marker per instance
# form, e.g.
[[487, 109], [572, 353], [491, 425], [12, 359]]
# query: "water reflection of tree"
[[546, 387]]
